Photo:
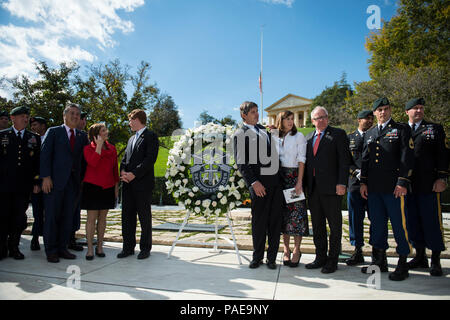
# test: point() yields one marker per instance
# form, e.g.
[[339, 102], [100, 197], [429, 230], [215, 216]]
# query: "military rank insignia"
[[411, 143], [4, 142]]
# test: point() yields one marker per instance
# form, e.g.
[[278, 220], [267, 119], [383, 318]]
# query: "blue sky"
[[204, 53]]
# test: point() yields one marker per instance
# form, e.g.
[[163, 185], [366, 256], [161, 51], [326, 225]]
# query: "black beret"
[[364, 114], [380, 102], [4, 114], [38, 119], [20, 110], [414, 102]]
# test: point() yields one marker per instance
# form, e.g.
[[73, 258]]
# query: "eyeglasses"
[[320, 118]]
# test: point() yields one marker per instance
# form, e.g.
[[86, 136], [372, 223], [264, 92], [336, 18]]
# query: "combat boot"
[[379, 259], [401, 272], [420, 260], [436, 269]]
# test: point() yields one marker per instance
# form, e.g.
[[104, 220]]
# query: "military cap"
[[38, 119], [414, 102], [20, 110], [380, 102], [4, 113], [364, 114]]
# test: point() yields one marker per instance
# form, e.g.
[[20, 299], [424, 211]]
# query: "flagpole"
[[261, 75]]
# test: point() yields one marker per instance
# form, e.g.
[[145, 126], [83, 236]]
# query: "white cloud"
[[55, 30], [287, 3]]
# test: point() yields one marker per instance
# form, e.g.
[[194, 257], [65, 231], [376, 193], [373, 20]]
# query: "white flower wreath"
[[180, 182]]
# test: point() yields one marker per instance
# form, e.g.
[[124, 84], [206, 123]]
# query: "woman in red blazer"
[[100, 185]]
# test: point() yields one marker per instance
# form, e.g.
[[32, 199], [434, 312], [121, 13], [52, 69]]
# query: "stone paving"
[[241, 226]]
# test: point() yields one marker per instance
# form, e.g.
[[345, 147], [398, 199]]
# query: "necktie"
[[414, 127], [19, 135], [316, 143], [380, 127], [72, 139]]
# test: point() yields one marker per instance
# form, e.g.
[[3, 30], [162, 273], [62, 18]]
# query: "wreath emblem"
[[201, 173]]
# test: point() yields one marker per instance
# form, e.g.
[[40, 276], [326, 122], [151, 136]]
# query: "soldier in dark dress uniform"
[[4, 120], [357, 205], [386, 169], [39, 126], [429, 179], [19, 165]]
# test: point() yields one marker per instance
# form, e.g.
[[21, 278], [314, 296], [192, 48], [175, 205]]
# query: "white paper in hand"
[[290, 195]]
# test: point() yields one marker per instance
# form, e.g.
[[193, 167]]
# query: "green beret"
[[380, 102], [414, 102], [4, 114], [20, 110], [364, 114], [38, 119]]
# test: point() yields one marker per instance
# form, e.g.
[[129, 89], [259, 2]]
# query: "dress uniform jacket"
[[431, 156], [356, 148], [19, 161], [388, 158]]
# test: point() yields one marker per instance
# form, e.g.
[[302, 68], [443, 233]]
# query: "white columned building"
[[301, 107]]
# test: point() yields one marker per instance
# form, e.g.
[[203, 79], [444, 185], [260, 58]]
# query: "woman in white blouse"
[[292, 150]]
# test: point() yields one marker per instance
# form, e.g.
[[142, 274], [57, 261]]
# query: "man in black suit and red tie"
[[327, 170], [258, 162], [137, 174]]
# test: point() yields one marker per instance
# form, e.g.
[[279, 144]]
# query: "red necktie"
[[72, 139], [316, 144]]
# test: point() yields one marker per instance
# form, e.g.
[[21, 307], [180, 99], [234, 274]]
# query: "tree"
[[47, 96], [417, 36], [333, 99], [205, 117], [164, 119]]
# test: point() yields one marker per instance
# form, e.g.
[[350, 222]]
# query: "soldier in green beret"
[[4, 120], [39, 126], [429, 179], [19, 173], [386, 169], [357, 206]]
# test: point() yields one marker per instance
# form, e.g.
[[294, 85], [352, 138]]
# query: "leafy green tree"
[[416, 36], [333, 99]]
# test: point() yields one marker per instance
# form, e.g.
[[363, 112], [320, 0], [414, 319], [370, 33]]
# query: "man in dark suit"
[[357, 206], [429, 179], [137, 174], [327, 170], [258, 162], [39, 126], [61, 173], [386, 169], [19, 173]]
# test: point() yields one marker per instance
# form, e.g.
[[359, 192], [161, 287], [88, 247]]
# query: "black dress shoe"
[[98, 254], [401, 272], [271, 265], [316, 264], [293, 263], [66, 255], [16, 254], [89, 258], [53, 258], [255, 264], [124, 254], [436, 269], [75, 247], [143, 255], [329, 267], [34, 246], [420, 260]]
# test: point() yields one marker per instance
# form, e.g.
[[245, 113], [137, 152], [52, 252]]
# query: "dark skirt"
[[295, 216], [96, 198]]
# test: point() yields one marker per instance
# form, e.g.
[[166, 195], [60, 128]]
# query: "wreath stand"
[[232, 243]]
